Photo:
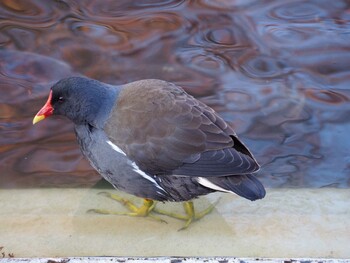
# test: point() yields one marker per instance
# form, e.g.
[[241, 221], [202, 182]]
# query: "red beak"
[[45, 111]]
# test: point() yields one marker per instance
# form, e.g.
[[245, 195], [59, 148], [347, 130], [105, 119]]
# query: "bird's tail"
[[245, 185]]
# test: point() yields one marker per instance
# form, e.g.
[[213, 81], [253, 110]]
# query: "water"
[[278, 71]]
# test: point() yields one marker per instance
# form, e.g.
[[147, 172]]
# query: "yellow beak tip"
[[38, 118]]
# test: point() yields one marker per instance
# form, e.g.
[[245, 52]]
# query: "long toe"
[[190, 215], [145, 210]]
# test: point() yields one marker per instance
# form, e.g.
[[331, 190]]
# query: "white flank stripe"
[[116, 148], [146, 176], [205, 182], [136, 168]]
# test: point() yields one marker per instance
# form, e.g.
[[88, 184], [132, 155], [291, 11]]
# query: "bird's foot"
[[190, 215], [142, 211]]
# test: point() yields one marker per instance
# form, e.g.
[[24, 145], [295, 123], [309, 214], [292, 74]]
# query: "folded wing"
[[173, 134]]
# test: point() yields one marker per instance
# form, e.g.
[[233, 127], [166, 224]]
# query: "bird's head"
[[79, 99]]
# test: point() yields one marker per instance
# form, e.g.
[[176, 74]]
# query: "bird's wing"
[[166, 131]]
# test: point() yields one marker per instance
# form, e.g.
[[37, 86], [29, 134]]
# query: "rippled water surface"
[[278, 71]]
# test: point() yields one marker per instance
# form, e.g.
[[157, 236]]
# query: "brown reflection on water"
[[278, 71]]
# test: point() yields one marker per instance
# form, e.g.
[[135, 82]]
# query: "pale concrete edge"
[[171, 260]]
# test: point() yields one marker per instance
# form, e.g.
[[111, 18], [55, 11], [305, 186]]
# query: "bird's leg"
[[142, 211], [190, 215]]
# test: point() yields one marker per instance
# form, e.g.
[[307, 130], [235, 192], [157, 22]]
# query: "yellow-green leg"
[[143, 211], [190, 215]]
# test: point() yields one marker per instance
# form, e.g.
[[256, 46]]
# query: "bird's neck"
[[96, 107]]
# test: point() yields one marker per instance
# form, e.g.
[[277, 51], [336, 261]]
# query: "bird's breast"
[[115, 166]]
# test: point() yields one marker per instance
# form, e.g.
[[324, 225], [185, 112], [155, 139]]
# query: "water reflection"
[[278, 71]]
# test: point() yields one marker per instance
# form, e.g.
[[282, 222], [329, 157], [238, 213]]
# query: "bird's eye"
[[60, 99]]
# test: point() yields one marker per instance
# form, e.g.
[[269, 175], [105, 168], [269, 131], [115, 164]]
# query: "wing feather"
[[166, 131]]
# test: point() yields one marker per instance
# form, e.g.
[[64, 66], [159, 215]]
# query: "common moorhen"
[[151, 139]]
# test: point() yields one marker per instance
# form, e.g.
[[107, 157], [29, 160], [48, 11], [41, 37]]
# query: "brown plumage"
[[161, 127]]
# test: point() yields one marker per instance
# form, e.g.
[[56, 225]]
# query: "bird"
[[153, 140]]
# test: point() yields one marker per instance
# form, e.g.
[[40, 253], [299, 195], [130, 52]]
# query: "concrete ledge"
[[286, 224], [170, 260]]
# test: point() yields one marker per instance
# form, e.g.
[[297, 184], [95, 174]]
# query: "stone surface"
[[287, 223]]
